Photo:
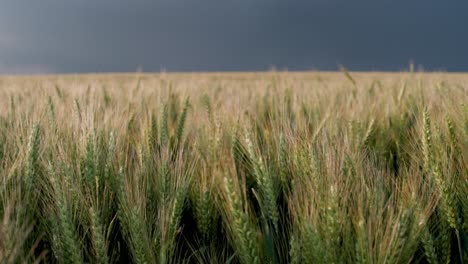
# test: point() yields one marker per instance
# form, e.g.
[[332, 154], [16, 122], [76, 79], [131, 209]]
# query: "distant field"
[[234, 168]]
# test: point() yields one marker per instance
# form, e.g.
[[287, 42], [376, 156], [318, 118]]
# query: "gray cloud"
[[188, 35]]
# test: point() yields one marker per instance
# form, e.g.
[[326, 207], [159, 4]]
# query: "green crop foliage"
[[234, 168]]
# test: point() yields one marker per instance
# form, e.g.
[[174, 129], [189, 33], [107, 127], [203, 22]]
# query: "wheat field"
[[234, 168]]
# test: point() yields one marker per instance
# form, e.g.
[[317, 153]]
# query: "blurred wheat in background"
[[234, 168]]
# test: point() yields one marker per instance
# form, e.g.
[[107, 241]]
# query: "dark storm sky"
[[68, 36]]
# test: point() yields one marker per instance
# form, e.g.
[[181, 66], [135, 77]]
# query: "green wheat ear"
[[152, 135], [429, 248], [453, 136], [132, 224], [267, 193], [404, 228], [164, 130], [294, 250], [88, 163], [70, 243], [315, 250], [98, 238], [369, 133], [67, 242], [427, 140], [177, 204], [242, 229], [206, 101], [111, 145], [182, 119], [205, 210], [32, 166]]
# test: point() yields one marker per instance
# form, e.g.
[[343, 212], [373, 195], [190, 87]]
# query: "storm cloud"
[[243, 35]]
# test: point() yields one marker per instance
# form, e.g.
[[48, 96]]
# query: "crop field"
[[234, 168]]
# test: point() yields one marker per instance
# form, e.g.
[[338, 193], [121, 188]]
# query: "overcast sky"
[[68, 36]]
